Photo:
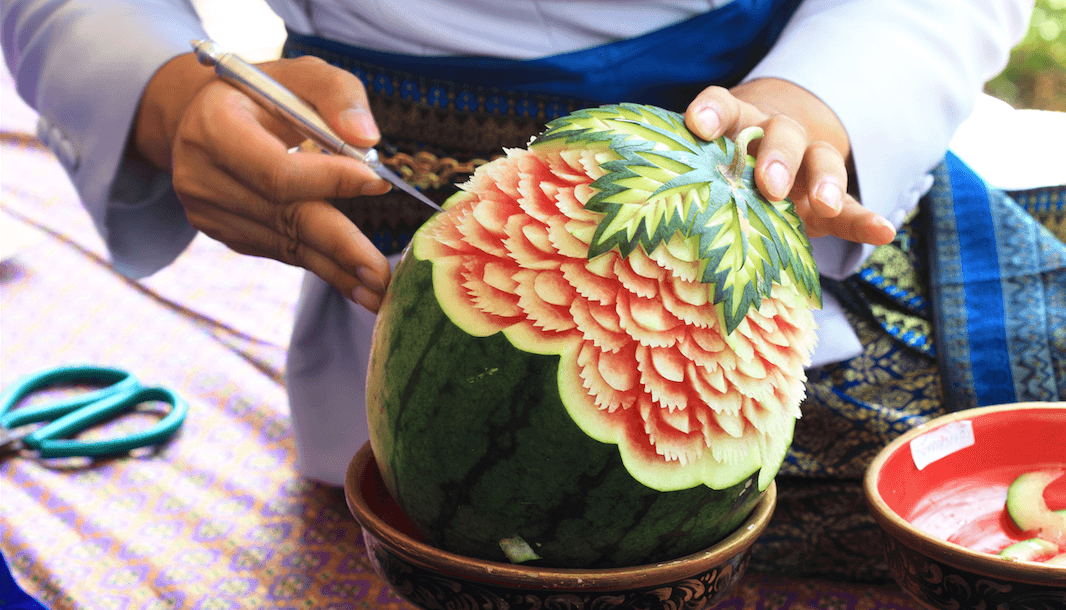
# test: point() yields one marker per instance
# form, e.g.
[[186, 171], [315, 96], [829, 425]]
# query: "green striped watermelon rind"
[[474, 443]]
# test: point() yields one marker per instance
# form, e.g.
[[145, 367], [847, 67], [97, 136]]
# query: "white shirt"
[[915, 68], [517, 29]]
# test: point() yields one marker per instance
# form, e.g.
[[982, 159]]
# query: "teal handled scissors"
[[122, 392]]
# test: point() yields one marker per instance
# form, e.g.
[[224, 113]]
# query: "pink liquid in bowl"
[[970, 511], [961, 498]]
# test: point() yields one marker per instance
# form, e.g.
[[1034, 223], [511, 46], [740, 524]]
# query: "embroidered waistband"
[[435, 133], [445, 119]]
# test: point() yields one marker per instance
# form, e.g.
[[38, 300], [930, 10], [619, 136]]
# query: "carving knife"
[[275, 97]]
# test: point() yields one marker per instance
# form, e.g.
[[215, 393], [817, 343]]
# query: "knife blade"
[[277, 98]]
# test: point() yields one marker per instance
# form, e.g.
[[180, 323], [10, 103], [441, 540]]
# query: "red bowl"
[[939, 492], [431, 578]]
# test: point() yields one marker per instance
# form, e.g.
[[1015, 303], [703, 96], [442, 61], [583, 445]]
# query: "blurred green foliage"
[[1036, 74]]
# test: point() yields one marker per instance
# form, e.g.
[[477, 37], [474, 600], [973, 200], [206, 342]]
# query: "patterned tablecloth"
[[217, 518]]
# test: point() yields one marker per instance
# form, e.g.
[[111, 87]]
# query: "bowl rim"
[[950, 553], [649, 575]]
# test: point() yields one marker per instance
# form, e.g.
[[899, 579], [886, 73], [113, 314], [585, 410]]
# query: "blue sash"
[[666, 67]]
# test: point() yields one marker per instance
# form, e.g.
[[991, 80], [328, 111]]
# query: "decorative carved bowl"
[[431, 578], [944, 523]]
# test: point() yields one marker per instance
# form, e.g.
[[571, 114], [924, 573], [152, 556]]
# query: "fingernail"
[[709, 120], [881, 220], [370, 279], [831, 195], [777, 180], [360, 121], [366, 298], [375, 187]]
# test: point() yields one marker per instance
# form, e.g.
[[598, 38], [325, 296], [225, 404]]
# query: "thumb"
[[336, 94]]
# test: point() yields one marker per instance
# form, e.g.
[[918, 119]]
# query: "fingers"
[[802, 154], [337, 95], [250, 143], [825, 179], [239, 183], [716, 112], [854, 223], [780, 152], [267, 167], [310, 234], [821, 199]]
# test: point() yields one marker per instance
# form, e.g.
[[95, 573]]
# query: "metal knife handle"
[[273, 95]]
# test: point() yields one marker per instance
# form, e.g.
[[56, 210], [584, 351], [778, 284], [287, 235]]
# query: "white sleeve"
[[83, 65], [901, 76]]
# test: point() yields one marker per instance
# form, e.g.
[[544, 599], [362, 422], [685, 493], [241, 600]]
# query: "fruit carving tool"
[[274, 96]]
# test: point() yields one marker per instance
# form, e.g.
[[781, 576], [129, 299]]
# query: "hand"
[[233, 172], [803, 155]]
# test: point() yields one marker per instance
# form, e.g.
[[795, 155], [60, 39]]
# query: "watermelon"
[[595, 354], [1028, 509], [1031, 549]]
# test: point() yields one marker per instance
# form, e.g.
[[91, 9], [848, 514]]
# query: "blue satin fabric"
[[666, 67]]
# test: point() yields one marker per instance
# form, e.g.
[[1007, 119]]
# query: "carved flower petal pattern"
[[645, 362]]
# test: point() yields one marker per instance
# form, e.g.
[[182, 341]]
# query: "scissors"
[[69, 416]]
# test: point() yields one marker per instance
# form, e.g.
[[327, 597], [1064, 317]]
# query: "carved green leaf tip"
[[662, 180]]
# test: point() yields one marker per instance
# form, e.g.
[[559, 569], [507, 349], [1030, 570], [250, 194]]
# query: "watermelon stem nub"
[[735, 172]]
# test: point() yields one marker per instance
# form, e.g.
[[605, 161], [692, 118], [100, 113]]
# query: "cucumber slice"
[[1033, 549], [1029, 511]]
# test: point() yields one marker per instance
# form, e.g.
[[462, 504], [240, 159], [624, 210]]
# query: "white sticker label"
[[942, 442]]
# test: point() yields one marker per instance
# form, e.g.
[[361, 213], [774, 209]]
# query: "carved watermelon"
[[595, 354]]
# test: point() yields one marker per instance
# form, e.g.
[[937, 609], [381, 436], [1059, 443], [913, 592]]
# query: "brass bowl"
[[431, 578], [943, 523]]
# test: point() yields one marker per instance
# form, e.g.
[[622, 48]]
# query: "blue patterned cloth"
[[999, 283], [965, 308]]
